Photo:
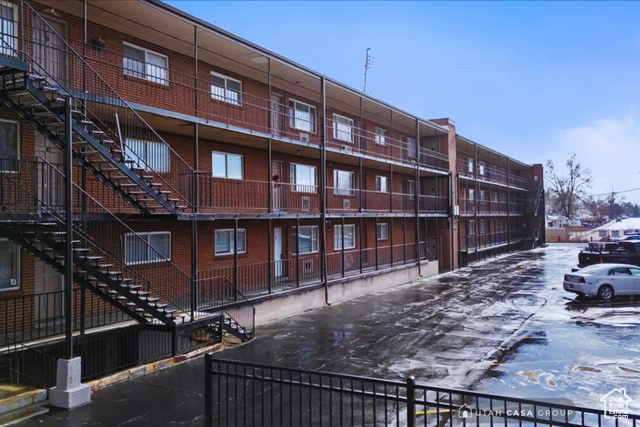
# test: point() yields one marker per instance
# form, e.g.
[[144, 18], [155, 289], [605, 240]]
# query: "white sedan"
[[604, 280]]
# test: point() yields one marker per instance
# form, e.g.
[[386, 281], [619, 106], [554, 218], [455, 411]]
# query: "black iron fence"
[[30, 317], [241, 394], [102, 354]]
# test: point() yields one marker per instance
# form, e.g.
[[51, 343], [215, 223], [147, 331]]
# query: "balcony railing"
[[176, 90], [469, 207], [489, 174]]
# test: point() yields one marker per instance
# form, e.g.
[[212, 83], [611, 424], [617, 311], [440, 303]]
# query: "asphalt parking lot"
[[502, 326]]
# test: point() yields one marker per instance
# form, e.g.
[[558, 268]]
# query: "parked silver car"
[[604, 280]]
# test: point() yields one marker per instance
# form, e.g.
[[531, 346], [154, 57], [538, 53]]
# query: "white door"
[[277, 250], [278, 189], [277, 114], [49, 50], [49, 302], [50, 184]]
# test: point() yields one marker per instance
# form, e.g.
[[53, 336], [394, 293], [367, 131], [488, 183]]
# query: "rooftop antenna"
[[367, 65]]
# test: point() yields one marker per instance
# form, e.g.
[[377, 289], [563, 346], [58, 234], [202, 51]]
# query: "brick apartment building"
[[206, 172]]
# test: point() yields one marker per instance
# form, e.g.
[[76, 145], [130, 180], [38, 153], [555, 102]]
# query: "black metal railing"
[[239, 393], [30, 317], [36, 366], [217, 293]]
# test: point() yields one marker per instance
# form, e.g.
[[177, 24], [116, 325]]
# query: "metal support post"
[[342, 245], [68, 208], [269, 256], [298, 252], [235, 259]]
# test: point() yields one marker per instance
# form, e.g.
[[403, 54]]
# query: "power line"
[[616, 192]]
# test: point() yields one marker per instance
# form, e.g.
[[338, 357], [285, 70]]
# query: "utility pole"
[[367, 65]]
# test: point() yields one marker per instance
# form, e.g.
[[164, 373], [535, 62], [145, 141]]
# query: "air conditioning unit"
[[306, 203], [347, 149], [346, 203], [304, 137], [307, 265]]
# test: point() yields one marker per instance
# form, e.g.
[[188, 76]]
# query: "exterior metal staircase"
[[43, 106], [106, 131], [537, 215]]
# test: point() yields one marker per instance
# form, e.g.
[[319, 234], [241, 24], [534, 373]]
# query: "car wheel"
[[605, 292]]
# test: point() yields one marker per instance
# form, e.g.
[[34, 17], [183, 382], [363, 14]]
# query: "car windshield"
[[590, 269]]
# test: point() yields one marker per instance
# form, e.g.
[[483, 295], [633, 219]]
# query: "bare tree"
[[567, 189]]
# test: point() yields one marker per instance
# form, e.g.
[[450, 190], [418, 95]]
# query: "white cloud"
[[610, 148]]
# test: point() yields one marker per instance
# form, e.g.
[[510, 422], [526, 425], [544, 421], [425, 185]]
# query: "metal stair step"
[[101, 266]]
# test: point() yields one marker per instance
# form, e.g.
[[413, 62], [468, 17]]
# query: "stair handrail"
[[242, 304], [114, 92]]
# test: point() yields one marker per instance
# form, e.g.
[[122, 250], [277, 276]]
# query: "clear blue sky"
[[535, 80]]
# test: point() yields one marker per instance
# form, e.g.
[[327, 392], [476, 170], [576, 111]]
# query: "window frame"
[[343, 191], [337, 242], [295, 185], [18, 143], [292, 119], [381, 136], [471, 196], [336, 118], [481, 166], [380, 180], [9, 51], [226, 165], [148, 233], [147, 76], [470, 164], [231, 239], [18, 267], [226, 98], [379, 228], [472, 228], [295, 232], [145, 161]]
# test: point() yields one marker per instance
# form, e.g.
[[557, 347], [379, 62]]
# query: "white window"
[[472, 194], [343, 183], [143, 248], [483, 196], [9, 265], [349, 236], [495, 196], [342, 128], [8, 25], [226, 89], [149, 155], [145, 64], [9, 143], [470, 165], [302, 116], [304, 178], [472, 227], [226, 165], [382, 231], [381, 136], [535, 177], [481, 168], [308, 240], [225, 243], [381, 184]]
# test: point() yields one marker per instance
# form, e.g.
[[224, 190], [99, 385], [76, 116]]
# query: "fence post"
[[208, 390], [411, 401]]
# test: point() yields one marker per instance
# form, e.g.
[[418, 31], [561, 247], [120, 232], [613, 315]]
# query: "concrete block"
[[69, 391]]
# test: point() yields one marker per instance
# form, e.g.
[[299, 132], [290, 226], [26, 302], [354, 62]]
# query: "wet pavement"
[[502, 326]]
